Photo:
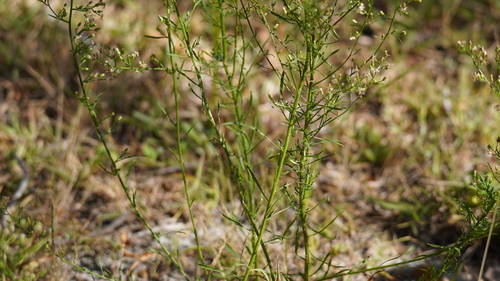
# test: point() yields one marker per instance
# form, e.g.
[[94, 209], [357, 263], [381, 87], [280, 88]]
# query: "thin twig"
[[490, 234]]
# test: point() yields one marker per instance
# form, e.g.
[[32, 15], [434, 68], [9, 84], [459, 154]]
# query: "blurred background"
[[409, 146]]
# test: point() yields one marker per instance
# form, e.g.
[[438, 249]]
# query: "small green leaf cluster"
[[19, 243], [480, 224]]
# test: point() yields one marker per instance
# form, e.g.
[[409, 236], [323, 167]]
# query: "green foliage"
[[487, 193], [19, 244], [478, 226], [313, 93]]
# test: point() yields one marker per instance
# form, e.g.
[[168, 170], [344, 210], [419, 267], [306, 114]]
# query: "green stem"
[[277, 176], [84, 98], [179, 142], [490, 234]]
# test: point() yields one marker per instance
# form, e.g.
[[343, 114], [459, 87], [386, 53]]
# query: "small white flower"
[[404, 9], [374, 70], [478, 76], [89, 21], [361, 8], [142, 65]]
